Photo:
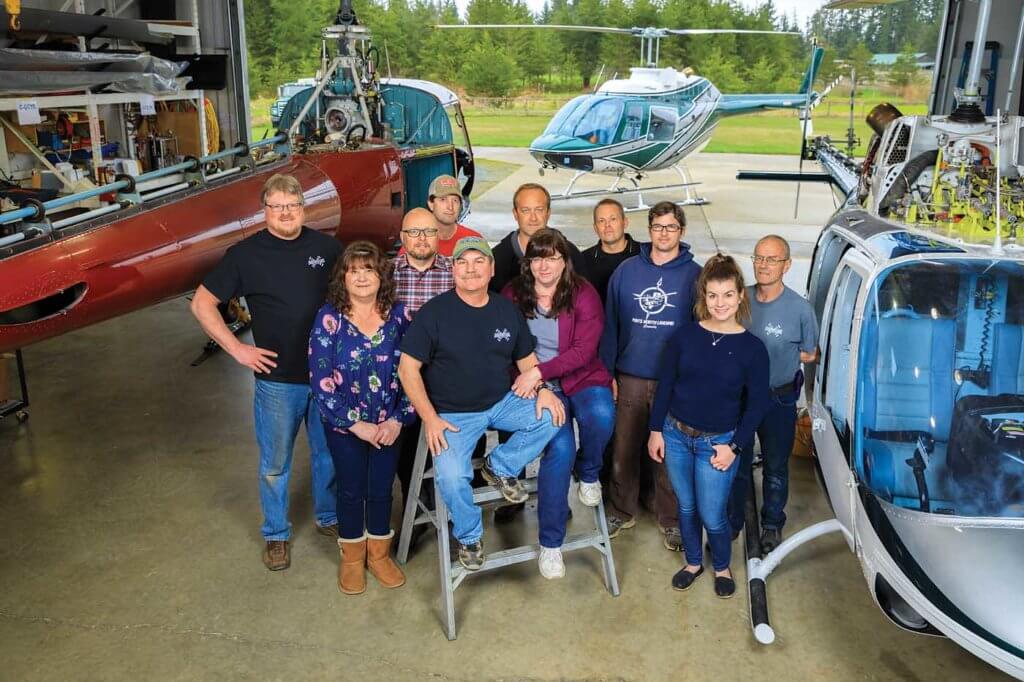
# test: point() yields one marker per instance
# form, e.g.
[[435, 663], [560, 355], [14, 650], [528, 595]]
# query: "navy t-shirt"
[[704, 377], [467, 351], [284, 282]]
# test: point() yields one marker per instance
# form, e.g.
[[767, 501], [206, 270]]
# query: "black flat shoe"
[[683, 579], [725, 586]]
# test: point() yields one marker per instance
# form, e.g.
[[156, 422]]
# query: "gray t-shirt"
[[545, 330], [786, 326]]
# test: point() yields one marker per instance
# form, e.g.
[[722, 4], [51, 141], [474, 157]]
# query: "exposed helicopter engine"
[[934, 172]]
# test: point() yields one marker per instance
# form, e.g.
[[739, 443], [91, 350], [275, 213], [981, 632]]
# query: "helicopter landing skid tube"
[[689, 199], [759, 567]]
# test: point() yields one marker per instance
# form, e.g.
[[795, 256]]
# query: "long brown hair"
[[361, 253], [545, 243], [721, 268]]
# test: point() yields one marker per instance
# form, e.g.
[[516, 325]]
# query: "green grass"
[[518, 121]]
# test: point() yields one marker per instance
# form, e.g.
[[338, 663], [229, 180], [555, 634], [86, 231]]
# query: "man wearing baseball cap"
[[444, 199], [456, 357]]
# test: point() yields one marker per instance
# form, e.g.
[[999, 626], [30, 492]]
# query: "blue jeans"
[[364, 476], [776, 434], [280, 409], [594, 411], [453, 467], [702, 491]]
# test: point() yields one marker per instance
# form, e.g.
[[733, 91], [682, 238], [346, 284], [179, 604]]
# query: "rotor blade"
[[715, 31], [562, 27], [858, 4]]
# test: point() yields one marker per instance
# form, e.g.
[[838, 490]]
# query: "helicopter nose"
[[562, 151], [972, 569]]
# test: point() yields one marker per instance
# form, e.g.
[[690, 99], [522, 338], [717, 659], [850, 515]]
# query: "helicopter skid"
[[688, 200]]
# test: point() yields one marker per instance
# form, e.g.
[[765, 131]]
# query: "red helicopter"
[[363, 149]]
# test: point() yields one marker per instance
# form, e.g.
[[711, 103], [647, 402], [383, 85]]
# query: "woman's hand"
[[366, 431], [656, 446], [526, 383], [387, 431], [723, 457]]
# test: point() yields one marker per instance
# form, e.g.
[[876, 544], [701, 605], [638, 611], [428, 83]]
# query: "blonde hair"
[[280, 182], [721, 268]]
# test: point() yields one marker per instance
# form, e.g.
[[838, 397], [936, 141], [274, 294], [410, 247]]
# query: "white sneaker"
[[550, 562], [590, 493]]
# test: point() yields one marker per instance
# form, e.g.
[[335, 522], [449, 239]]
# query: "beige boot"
[[379, 562], [352, 569]]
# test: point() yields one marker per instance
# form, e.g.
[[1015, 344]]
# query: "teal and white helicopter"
[[631, 127]]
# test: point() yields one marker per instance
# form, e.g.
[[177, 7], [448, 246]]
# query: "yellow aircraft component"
[[13, 8]]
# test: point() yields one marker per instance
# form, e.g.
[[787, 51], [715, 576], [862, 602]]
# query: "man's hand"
[[526, 383], [366, 431], [723, 457], [387, 432], [257, 359], [615, 391], [656, 446], [547, 400], [434, 430]]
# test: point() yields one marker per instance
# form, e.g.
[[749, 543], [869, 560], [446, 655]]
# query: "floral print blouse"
[[354, 377]]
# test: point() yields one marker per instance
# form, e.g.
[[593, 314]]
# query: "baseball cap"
[[444, 185], [472, 244]]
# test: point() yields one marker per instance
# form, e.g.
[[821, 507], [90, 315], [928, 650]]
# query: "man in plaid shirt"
[[421, 273]]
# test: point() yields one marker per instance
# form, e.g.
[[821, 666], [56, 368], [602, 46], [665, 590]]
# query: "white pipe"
[[88, 215], [998, 247], [1015, 64], [165, 191], [226, 171], [972, 88]]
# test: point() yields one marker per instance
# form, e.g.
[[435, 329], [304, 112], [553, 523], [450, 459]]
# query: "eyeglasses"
[[417, 232], [666, 228], [768, 260], [550, 260], [280, 208]]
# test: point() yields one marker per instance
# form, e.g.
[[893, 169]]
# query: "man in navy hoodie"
[[649, 296]]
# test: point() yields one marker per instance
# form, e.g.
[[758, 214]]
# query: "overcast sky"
[[803, 8]]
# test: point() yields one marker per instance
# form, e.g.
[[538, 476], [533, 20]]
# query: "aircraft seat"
[[908, 394], [1007, 359]]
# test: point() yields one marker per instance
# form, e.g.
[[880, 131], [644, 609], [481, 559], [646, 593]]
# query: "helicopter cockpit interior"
[[940, 387]]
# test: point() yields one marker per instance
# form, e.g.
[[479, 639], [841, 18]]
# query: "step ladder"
[[452, 572]]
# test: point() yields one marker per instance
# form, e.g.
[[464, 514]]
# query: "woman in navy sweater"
[[712, 393]]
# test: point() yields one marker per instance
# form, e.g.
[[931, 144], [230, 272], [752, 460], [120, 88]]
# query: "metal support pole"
[[972, 88], [1015, 64]]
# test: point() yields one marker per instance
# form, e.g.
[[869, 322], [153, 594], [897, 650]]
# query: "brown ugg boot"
[[352, 569], [379, 562]]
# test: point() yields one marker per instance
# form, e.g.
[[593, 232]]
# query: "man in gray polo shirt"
[[784, 321]]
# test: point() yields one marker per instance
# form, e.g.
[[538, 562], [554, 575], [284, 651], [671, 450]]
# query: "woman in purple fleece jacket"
[[565, 314]]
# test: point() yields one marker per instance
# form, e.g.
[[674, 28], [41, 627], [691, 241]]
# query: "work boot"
[[379, 562], [352, 569], [330, 531], [276, 556]]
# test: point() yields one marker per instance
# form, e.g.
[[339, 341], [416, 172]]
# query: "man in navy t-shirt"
[[283, 273], [456, 358]]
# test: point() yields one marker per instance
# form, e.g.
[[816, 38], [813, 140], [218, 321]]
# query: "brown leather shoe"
[[330, 531], [352, 568], [277, 555], [379, 561]]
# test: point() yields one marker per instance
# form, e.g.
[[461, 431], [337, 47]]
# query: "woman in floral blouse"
[[353, 369]]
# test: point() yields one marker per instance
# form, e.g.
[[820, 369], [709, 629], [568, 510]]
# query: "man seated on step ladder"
[[456, 358]]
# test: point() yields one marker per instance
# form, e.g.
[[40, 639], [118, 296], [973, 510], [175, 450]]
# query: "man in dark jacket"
[[614, 245], [531, 207], [649, 297]]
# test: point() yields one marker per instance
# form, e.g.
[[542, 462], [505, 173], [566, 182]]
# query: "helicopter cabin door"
[[832, 401]]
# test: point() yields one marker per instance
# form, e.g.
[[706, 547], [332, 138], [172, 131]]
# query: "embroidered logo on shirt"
[[502, 335], [316, 262], [654, 300], [773, 330]]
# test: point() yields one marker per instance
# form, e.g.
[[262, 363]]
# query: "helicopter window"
[[600, 122], [663, 124], [835, 387], [940, 387], [832, 248], [634, 122], [571, 110]]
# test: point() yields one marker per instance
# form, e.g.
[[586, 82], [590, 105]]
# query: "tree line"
[[284, 43]]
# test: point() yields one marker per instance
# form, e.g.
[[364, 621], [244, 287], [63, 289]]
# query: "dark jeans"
[[631, 464], [776, 434], [703, 493], [594, 411], [365, 476]]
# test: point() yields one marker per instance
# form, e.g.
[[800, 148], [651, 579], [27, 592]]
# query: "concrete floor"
[[130, 544]]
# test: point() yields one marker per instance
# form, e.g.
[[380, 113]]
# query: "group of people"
[[666, 370]]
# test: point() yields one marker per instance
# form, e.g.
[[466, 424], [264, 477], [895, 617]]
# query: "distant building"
[[886, 60]]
